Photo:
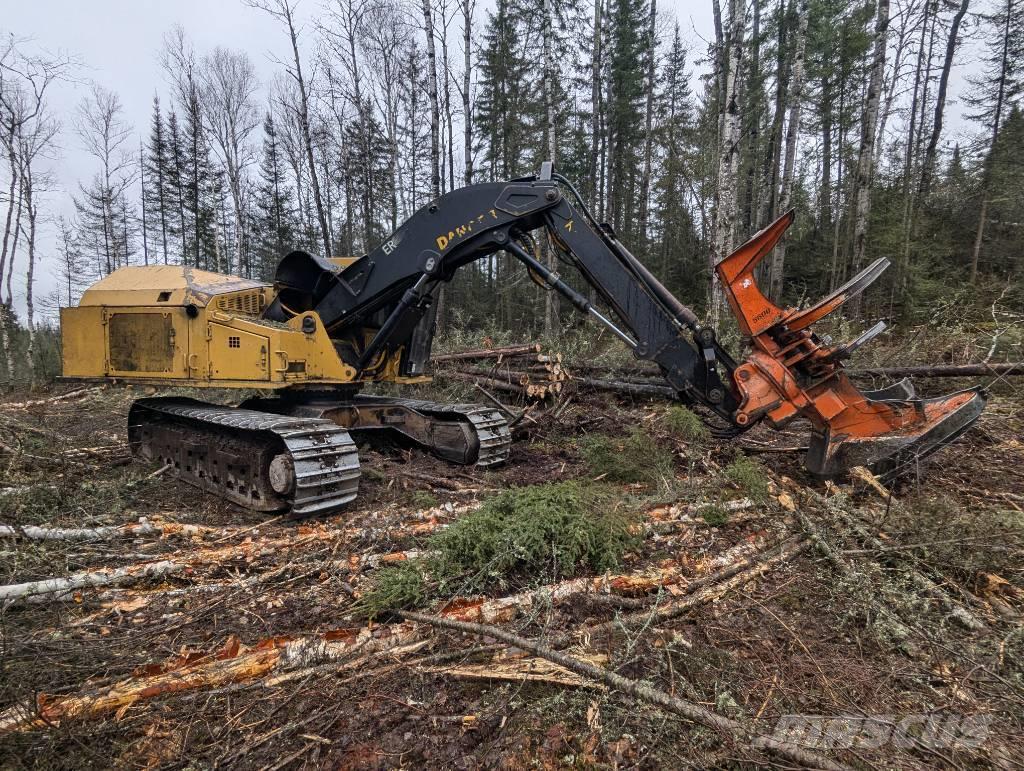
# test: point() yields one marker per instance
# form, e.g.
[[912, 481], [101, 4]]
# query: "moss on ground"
[[636, 458], [749, 476], [685, 425], [715, 516]]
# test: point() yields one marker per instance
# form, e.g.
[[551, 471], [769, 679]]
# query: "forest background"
[[894, 129]]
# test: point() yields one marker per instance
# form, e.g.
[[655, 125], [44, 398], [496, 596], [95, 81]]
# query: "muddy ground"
[[903, 605]]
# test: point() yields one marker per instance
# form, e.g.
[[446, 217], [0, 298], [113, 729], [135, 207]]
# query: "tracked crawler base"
[[467, 434], [259, 460], [339, 325], [279, 454]]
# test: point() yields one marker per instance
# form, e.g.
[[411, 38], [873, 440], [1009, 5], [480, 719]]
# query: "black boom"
[[391, 289]]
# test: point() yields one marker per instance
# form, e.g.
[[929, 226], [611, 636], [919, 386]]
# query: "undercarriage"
[[300, 454]]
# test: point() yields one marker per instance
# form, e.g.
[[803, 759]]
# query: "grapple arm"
[[792, 373]]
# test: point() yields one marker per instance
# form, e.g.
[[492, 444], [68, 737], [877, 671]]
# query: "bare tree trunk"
[[283, 10], [9, 299], [773, 154], [30, 322], [645, 179], [753, 95], [891, 90], [449, 117], [867, 141], [940, 101], [840, 199], [12, 158], [908, 155], [6, 311], [595, 106], [720, 64], [314, 180], [467, 72], [728, 159], [435, 118], [145, 228], [792, 137], [435, 149], [551, 309], [987, 173]]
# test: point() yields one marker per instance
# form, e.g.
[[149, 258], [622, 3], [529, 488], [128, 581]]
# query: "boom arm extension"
[[790, 372], [392, 288]]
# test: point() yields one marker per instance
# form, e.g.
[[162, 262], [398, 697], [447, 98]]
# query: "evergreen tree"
[[626, 92], [200, 186], [176, 176], [678, 256], [158, 191], [505, 93], [993, 95], [274, 218]]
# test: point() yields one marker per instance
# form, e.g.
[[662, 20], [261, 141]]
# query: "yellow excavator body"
[[176, 325], [327, 326]]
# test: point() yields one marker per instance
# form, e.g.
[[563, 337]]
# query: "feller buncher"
[[328, 327]]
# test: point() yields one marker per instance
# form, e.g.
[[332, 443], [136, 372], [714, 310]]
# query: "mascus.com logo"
[[935, 731]]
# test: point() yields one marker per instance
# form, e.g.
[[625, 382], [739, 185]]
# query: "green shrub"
[[637, 458], [395, 587], [422, 499], [522, 536], [749, 476], [716, 516], [531, 534], [686, 426]]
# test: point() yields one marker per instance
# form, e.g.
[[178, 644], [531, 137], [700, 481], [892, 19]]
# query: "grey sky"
[[119, 41]]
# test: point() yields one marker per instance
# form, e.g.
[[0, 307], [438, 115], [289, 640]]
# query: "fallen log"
[[58, 588], [518, 668], [78, 393], [490, 353], [706, 593], [641, 690], [626, 388], [233, 663], [518, 375], [273, 656], [529, 390], [36, 533], [944, 370], [13, 592]]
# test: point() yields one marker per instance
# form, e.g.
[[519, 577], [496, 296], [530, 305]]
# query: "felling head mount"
[[794, 373]]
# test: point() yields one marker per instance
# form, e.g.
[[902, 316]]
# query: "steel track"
[[228, 451]]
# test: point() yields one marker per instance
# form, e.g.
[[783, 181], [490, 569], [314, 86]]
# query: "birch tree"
[[343, 35], [866, 154], [467, 7], [28, 133], [104, 134], [796, 97], [435, 116], [729, 146], [35, 140], [284, 12], [228, 93]]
